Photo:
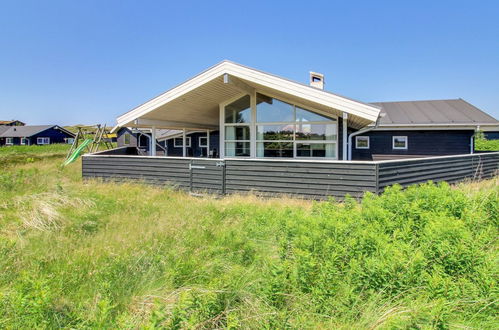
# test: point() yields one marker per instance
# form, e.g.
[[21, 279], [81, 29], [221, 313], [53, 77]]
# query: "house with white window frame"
[[237, 129]]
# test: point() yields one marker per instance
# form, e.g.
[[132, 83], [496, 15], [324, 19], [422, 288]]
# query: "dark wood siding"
[[425, 143], [308, 179], [450, 169]]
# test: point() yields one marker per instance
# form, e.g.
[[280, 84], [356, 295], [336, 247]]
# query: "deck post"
[[153, 141], [207, 143], [184, 140], [345, 136]]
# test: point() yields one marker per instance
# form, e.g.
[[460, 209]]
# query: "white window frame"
[[333, 119], [187, 138], [360, 137], [23, 141], [203, 145], [43, 139], [9, 141], [70, 139], [400, 137], [129, 138]]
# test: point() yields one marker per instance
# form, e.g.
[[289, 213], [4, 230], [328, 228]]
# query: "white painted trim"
[[363, 137], [203, 137], [400, 137], [326, 161], [188, 139], [366, 111], [11, 139], [43, 143], [422, 127], [344, 125]]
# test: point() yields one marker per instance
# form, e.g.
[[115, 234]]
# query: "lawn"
[[101, 255]]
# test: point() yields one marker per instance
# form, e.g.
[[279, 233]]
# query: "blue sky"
[[70, 62]]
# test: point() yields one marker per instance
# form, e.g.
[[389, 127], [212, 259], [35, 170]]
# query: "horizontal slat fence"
[[448, 168], [307, 179]]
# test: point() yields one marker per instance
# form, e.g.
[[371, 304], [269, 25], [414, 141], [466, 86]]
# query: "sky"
[[89, 61]]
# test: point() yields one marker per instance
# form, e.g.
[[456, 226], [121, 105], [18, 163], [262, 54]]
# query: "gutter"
[[367, 129]]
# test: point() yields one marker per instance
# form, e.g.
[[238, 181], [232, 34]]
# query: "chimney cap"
[[316, 80]]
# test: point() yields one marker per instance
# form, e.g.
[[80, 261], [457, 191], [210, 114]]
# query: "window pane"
[[399, 142], [274, 149], [237, 149], [272, 110], [275, 132], [238, 111], [316, 150], [306, 115], [237, 133], [362, 142], [316, 132]]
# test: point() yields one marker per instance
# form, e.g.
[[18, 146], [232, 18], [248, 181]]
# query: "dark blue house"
[[414, 129], [34, 135]]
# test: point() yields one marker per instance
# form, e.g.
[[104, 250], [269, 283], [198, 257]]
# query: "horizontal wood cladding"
[[303, 179], [306, 179], [450, 169]]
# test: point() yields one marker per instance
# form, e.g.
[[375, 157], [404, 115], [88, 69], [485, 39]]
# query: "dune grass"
[[10, 155], [102, 255]]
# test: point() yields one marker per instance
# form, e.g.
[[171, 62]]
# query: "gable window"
[[126, 138], [43, 140], [203, 141], [9, 141], [399, 142], [288, 130], [24, 141], [179, 142], [362, 142]]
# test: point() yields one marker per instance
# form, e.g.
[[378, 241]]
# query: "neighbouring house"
[[34, 135], [11, 123], [232, 129]]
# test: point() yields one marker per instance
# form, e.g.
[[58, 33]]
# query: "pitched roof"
[[26, 131], [3, 129], [434, 112], [194, 104], [7, 122]]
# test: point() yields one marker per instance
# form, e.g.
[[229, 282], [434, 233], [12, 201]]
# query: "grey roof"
[[3, 129], [25, 131], [434, 112]]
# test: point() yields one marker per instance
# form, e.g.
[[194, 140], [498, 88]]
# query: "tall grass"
[[10, 155], [95, 254]]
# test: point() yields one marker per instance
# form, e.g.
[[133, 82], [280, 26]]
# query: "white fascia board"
[[363, 110], [395, 127]]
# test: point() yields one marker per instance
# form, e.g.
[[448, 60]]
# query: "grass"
[[27, 154], [100, 255]]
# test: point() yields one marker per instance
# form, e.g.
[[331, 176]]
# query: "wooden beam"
[[238, 83], [170, 124]]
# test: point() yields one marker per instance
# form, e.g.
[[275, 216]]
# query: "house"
[[243, 112], [421, 128], [233, 129], [11, 123], [34, 135]]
